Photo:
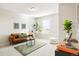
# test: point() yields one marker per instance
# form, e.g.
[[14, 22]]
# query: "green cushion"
[[22, 35]]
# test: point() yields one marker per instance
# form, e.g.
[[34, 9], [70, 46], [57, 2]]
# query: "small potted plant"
[[68, 28]]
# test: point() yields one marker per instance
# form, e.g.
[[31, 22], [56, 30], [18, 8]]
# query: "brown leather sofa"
[[15, 38]]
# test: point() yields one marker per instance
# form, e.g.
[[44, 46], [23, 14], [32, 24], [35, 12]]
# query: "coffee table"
[[30, 42]]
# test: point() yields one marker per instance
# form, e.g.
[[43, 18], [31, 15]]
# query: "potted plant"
[[68, 28], [37, 27]]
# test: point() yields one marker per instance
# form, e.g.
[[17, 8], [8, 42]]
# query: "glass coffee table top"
[[30, 42]]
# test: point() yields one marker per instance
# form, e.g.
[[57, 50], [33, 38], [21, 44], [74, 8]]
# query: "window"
[[46, 24]]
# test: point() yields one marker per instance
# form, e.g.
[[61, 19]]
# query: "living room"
[[13, 14], [44, 20]]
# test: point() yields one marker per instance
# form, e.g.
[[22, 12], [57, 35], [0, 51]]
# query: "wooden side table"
[[62, 53]]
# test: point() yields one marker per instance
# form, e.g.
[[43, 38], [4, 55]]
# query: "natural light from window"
[[46, 25]]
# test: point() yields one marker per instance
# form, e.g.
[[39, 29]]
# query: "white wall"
[[67, 11], [7, 19], [78, 21], [78, 13], [53, 32]]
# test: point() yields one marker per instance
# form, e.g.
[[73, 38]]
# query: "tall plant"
[[37, 27], [67, 25]]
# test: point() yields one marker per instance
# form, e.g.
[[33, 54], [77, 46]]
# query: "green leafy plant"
[[67, 25], [37, 27]]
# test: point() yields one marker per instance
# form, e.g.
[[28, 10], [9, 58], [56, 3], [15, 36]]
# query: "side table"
[[62, 53]]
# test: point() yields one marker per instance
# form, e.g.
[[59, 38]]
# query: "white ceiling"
[[23, 8]]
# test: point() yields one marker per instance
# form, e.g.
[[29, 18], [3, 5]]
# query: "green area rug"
[[25, 50]]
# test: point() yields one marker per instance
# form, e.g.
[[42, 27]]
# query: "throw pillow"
[[22, 35], [25, 35]]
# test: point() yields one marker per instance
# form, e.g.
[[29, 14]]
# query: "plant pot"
[[67, 36]]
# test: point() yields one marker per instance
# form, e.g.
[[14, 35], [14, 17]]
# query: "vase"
[[67, 36]]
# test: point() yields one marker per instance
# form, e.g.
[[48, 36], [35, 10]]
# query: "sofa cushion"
[[25, 35], [22, 35], [14, 36]]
